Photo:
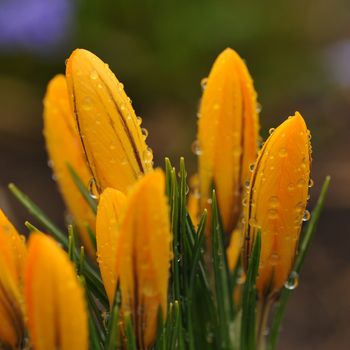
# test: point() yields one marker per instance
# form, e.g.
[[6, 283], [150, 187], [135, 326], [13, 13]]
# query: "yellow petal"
[[234, 249], [110, 210], [193, 200], [110, 131], [227, 134], [144, 267], [12, 255], [276, 201], [64, 145], [57, 317]]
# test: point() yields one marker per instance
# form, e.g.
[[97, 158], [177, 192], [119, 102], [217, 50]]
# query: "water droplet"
[[244, 201], [274, 258], [258, 108], [247, 184], [301, 183], [271, 131], [293, 281], [93, 75], [252, 222], [306, 216], [87, 103], [251, 167], [196, 149], [272, 213], [50, 163], [290, 187], [148, 155], [93, 188], [204, 82], [282, 152], [311, 183], [144, 132], [274, 201], [139, 120]]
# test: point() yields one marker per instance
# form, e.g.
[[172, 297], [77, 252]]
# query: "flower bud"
[[63, 147], [54, 298], [113, 140], [111, 207], [276, 202], [12, 254], [143, 252], [227, 135]]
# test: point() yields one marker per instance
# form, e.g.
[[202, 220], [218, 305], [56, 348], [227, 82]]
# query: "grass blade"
[[82, 189], [248, 336]]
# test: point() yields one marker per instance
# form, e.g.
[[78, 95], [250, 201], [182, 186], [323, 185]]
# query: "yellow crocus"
[[64, 146], [234, 249], [143, 246], [108, 237], [12, 255], [227, 135], [54, 298], [113, 140], [276, 202]]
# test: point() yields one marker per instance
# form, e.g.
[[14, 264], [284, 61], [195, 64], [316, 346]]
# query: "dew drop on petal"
[[293, 281], [93, 75], [204, 82], [271, 131], [311, 183], [87, 104], [282, 152], [306, 216], [148, 155], [144, 132], [196, 149], [92, 188]]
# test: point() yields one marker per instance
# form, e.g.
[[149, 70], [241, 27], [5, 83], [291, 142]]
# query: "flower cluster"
[[155, 275]]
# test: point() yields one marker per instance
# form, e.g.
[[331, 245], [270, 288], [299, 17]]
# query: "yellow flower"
[[276, 202], [234, 249], [109, 129], [12, 255], [54, 298], [64, 145], [111, 207], [227, 135], [143, 248]]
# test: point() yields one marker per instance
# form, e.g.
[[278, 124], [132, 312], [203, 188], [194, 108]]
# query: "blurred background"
[[298, 53]]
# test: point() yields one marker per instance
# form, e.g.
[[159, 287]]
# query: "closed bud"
[[64, 147], [109, 238], [276, 202], [54, 298], [110, 132], [227, 135], [12, 255], [143, 251]]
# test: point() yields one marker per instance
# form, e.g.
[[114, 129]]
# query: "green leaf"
[[82, 189], [221, 276], [130, 334], [248, 334], [112, 335], [303, 249]]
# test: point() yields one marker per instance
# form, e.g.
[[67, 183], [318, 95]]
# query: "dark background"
[[298, 53]]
